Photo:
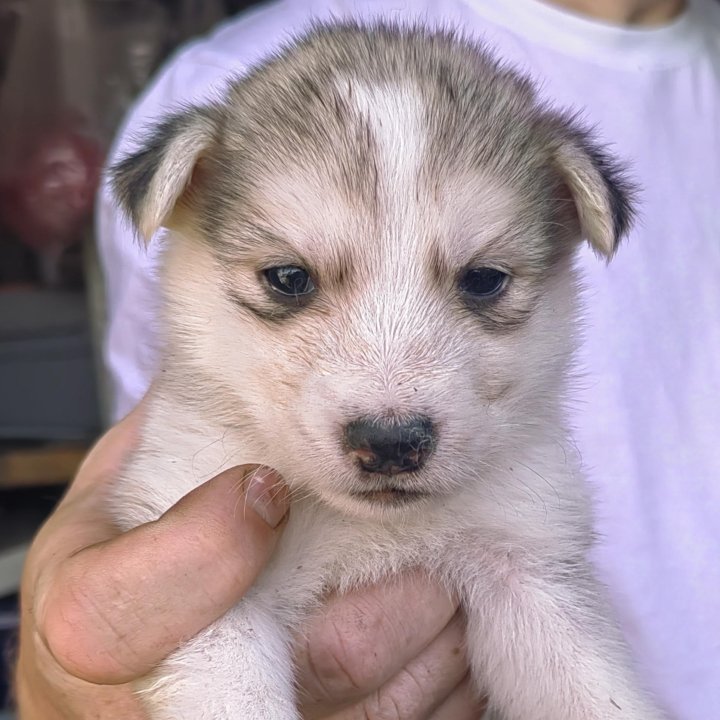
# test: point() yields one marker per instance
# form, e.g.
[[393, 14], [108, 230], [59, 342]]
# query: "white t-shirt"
[[648, 416]]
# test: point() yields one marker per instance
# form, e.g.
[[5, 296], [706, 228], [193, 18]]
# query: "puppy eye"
[[483, 282], [290, 281]]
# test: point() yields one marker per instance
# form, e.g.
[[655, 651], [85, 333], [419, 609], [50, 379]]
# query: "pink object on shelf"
[[46, 199]]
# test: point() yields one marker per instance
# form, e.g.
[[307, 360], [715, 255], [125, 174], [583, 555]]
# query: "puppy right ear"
[[151, 183]]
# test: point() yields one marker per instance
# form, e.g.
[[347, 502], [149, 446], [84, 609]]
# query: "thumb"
[[116, 609]]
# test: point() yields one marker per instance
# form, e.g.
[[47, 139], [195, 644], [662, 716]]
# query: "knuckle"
[[409, 696], [405, 698], [391, 703], [344, 662], [386, 706], [79, 631]]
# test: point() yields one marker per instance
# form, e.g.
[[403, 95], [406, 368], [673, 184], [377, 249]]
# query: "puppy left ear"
[[603, 196], [150, 184]]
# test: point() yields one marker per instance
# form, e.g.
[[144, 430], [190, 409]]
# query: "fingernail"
[[267, 494]]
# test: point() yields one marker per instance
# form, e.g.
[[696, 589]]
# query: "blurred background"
[[69, 70]]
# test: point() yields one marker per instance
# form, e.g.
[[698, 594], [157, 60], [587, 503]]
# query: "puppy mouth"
[[390, 495]]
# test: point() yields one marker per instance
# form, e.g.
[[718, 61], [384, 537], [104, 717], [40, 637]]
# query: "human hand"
[[389, 652], [88, 593], [100, 609]]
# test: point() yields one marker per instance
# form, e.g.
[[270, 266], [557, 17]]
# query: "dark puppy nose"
[[390, 446]]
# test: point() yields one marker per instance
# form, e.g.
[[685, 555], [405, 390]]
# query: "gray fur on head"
[[296, 106]]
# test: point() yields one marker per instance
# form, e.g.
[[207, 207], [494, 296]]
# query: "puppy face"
[[369, 269]]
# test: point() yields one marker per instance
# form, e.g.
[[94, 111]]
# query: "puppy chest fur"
[[368, 286]]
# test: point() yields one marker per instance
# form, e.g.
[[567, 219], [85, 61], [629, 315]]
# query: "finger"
[[114, 610], [425, 682], [363, 639], [462, 704], [420, 687]]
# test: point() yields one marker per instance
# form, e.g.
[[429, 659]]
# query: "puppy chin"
[[375, 501]]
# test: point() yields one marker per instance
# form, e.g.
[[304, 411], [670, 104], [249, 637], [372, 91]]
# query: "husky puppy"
[[368, 286]]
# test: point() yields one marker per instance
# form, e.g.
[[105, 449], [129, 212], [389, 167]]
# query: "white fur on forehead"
[[394, 114]]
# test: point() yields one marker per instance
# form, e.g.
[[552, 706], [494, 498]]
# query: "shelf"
[[54, 464], [22, 512]]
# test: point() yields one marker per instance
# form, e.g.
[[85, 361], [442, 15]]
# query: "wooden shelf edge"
[[47, 465]]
